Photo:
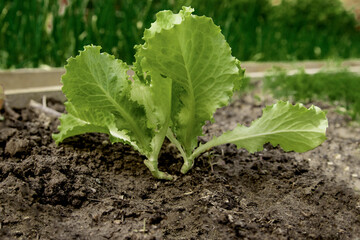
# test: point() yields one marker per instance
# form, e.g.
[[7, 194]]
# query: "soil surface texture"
[[88, 188]]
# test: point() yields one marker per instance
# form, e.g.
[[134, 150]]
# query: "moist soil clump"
[[88, 188]]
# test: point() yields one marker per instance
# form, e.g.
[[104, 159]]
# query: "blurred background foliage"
[[37, 32], [336, 85]]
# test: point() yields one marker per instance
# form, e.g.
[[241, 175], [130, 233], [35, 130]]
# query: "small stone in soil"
[[6, 133], [16, 146]]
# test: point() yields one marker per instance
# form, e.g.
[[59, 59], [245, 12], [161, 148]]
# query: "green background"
[[35, 32]]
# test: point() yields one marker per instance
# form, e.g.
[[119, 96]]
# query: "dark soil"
[[87, 188]]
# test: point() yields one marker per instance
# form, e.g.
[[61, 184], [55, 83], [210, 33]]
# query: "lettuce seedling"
[[184, 71]]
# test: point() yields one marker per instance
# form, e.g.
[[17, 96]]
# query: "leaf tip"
[[186, 11]]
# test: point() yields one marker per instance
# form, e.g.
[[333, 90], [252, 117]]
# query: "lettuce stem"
[[152, 164], [152, 161], [187, 162], [204, 147]]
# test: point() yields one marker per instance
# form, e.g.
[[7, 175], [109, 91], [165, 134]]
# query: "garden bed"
[[87, 188]]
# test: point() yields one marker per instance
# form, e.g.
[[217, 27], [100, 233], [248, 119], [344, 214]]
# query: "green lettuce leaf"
[[292, 127], [101, 98], [98, 91], [79, 121], [156, 99], [191, 52]]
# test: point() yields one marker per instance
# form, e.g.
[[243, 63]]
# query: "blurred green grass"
[[36, 32], [338, 86]]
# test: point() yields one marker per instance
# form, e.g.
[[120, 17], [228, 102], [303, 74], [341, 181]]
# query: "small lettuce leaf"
[[164, 20], [80, 121], [191, 52], [98, 92], [156, 99], [292, 127]]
